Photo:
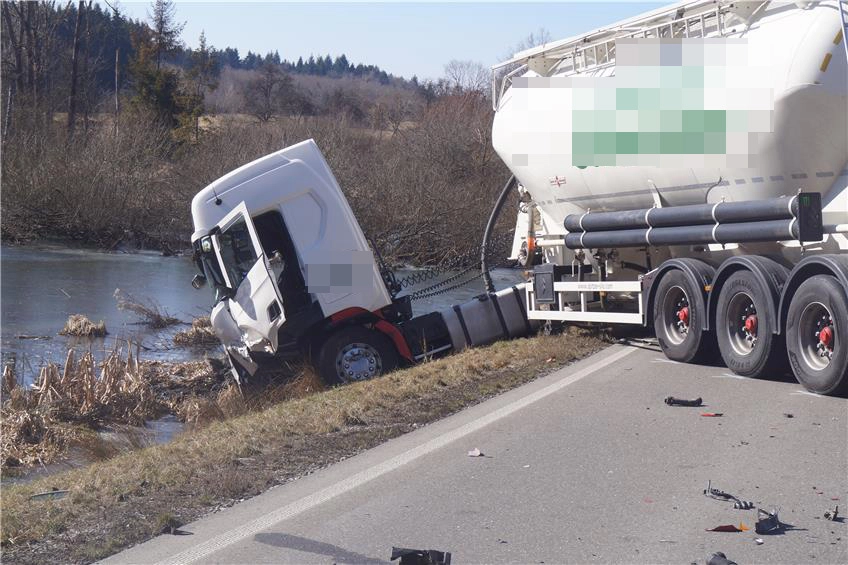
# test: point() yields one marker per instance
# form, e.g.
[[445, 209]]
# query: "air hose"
[[493, 218]]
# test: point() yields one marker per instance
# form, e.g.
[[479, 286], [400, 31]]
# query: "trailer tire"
[[745, 330], [355, 353], [817, 303], [678, 319]]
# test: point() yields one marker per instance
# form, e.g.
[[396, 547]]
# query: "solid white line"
[[207, 548]]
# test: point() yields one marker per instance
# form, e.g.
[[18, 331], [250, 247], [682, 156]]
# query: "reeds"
[[79, 325], [38, 422], [150, 313], [199, 335]]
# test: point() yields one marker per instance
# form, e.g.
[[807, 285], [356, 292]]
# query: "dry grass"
[[199, 335], [291, 437], [150, 312], [80, 326]]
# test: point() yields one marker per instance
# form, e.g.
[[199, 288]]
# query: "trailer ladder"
[[596, 50]]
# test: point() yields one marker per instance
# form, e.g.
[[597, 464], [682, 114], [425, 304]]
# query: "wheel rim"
[[358, 362], [676, 315], [742, 323], [816, 336]]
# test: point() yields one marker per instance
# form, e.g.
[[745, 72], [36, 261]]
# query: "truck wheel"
[[678, 319], [354, 354], [817, 335], [745, 333]]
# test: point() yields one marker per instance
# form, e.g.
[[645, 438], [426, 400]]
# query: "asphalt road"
[[587, 465]]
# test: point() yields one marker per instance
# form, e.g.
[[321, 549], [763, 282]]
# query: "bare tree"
[[467, 76], [264, 93], [72, 96]]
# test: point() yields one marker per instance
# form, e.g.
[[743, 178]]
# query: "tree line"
[[111, 125]]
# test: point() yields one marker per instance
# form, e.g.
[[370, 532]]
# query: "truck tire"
[[744, 329], [678, 319], [817, 335], [354, 353]]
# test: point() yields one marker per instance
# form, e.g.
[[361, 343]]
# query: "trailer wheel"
[[817, 335], [678, 319], [354, 353], [745, 332]]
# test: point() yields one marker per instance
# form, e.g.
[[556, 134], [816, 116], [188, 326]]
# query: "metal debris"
[[768, 522], [738, 503], [832, 515]]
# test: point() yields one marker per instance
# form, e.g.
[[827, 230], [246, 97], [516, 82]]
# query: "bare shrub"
[[79, 325], [150, 312]]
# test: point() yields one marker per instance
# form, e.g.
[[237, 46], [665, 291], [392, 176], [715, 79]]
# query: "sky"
[[402, 38]]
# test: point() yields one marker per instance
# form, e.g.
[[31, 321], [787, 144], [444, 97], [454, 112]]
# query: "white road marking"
[[207, 548], [664, 360], [807, 393], [729, 376]]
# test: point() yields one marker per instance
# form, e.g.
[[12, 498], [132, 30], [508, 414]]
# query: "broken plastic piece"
[[730, 528], [719, 558], [475, 453], [832, 515], [420, 556], [759, 541], [768, 522], [672, 401]]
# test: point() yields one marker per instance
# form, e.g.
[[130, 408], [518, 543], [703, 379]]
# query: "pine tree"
[[166, 31]]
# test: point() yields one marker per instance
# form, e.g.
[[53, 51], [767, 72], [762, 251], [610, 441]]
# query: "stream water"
[[41, 287]]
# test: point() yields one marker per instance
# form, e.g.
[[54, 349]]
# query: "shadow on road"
[[313, 546]]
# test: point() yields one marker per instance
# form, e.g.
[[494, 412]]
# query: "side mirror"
[[198, 282]]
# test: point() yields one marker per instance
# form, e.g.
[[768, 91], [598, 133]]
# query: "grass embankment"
[[127, 499]]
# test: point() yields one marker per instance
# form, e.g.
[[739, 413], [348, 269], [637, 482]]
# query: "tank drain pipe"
[[493, 218]]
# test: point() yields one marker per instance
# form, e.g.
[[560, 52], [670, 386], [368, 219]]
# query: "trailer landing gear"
[[815, 335]]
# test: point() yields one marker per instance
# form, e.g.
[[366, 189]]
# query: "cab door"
[[256, 304]]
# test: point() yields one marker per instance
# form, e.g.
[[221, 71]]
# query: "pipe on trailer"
[[747, 232], [676, 216]]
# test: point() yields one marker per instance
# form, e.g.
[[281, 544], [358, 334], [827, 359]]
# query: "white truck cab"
[[279, 244]]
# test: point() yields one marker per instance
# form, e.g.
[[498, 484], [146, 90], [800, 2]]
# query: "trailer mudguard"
[[699, 273], [834, 265], [769, 273]]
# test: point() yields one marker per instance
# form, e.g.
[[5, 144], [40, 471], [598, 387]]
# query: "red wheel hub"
[[751, 324], [826, 336], [683, 314]]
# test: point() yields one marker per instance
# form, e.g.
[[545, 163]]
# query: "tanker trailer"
[[688, 166]]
